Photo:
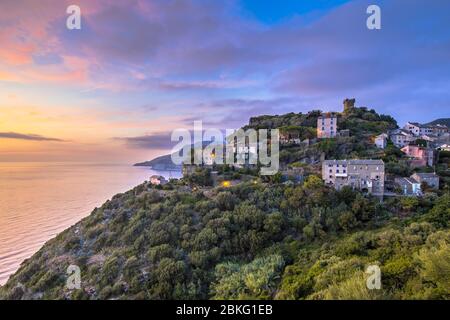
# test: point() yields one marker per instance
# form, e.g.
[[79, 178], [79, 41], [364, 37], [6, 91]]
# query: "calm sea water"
[[39, 200]]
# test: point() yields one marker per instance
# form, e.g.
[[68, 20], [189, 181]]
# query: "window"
[[331, 171], [337, 171]]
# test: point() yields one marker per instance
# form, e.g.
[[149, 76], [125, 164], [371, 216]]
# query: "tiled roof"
[[355, 162], [426, 175], [406, 180]]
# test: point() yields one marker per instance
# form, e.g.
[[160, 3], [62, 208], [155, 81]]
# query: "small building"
[[289, 137], [418, 129], [444, 147], [364, 175], [428, 138], [408, 186], [431, 179], [327, 126], [381, 141], [440, 129], [343, 133], [158, 180], [294, 174], [420, 156], [401, 137]]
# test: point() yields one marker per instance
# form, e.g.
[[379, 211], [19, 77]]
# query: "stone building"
[[364, 175], [349, 105], [431, 179], [408, 186]]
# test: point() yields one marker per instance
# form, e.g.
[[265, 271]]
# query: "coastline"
[[63, 194]]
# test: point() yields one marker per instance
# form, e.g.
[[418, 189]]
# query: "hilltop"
[[362, 125]]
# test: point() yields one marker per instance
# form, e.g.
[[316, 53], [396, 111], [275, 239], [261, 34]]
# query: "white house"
[[418, 129], [158, 180], [327, 126], [409, 186], [381, 141], [401, 137]]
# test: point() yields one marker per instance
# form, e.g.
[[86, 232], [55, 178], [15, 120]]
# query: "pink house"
[[420, 157]]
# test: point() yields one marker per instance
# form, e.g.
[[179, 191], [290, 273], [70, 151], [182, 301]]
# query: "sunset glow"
[[142, 68]]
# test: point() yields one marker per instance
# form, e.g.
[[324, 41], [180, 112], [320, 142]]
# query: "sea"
[[39, 200]]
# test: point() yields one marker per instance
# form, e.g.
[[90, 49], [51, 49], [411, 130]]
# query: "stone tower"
[[349, 104]]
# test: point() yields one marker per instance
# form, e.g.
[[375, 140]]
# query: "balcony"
[[341, 175]]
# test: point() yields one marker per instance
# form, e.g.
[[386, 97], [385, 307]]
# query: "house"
[[444, 147], [289, 138], [418, 129], [245, 156], [381, 141], [429, 138], [327, 125], [440, 129], [420, 157], [294, 174], [431, 179], [364, 175], [343, 133], [158, 180], [401, 137], [408, 186]]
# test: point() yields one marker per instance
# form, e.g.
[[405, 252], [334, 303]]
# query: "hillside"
[[249, 241], [259, 239], [443, 121], [363, 124]]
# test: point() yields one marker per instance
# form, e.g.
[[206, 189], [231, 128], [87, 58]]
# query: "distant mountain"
[[159, 163], [165, 162], [444, 121]]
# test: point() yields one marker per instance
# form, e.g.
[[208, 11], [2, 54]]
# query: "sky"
[[138, 69]]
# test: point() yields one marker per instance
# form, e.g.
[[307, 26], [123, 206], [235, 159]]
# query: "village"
[[419, 145]]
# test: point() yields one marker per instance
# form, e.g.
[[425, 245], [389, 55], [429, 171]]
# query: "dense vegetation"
[[264, 241]]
